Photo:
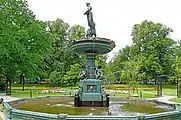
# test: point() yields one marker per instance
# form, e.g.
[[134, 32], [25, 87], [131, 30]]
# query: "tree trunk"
[[23, 83], [178, 89], [10, 85], [179, 92], [6, 86], [133, 89]]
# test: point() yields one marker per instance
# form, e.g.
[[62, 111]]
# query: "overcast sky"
[[114, 18]]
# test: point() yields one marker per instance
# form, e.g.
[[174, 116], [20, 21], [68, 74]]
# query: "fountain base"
[[78, 103], [91, 94]]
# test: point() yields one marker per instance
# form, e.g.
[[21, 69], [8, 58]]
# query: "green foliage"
[[177, 64], [178, 100], [130, 72], [76, 32], [24, 41], [101, 60], [55, 77], [152, 52], [41, 50], [59, 61], [178, 68], [114, 68], [152, 40], [71, 77]]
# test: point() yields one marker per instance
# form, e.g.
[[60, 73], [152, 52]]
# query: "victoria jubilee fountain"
[[91, 92]]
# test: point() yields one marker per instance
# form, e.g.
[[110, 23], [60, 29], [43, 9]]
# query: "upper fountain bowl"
[[97, 46]]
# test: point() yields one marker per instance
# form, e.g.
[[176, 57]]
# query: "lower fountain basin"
[[64, 105]]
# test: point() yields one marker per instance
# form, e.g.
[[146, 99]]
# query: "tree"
[[152, 41], [152, 52], [117, 64], [76, 32], [55, 77], [101, 60], [149, 66], [177, 66], [55, 61], [61, 57], [71, 77], [24, 41], [131, 73], [178, 73]]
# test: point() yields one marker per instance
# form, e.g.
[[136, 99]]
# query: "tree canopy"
[[41, 49], [60, 60], [24, 41], [152, 52]]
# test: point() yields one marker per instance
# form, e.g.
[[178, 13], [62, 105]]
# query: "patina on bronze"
[[91, 92], [91, 32]]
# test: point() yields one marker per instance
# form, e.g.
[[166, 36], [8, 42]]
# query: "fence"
[[14, 114]]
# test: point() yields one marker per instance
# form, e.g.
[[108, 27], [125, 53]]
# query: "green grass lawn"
[[36, 93], [37, 88], [178, 100], [170, 92], [148, 91], [148, 94], [145, 94], [41, 87]]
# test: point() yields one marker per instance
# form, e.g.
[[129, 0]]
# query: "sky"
[[114, 18]]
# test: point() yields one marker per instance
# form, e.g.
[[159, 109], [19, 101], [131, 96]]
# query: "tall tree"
[[24, 41], [131, 71], [116, 65], [61, 58], [76, 32], [152, 52], [153, 41], [123, 55], [177, 66], [71, 77]]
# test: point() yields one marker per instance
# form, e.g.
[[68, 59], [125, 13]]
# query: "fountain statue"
[[91, 91], [92, 30]]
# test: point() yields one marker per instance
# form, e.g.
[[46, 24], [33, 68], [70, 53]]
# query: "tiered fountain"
[[90, 89]]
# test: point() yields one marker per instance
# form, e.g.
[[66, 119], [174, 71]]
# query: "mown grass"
[[36, 93], [148, 91], [178, 100], [41, 87], [36, 90]]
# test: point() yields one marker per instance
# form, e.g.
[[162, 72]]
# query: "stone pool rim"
[[10, 111]]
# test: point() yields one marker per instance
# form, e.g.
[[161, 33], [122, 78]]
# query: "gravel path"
[[6, 98], [165, 99]]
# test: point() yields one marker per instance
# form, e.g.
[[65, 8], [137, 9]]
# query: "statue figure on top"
[[91, 32]]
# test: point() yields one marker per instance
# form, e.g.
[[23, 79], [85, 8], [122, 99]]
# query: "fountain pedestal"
[[90, 91]]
